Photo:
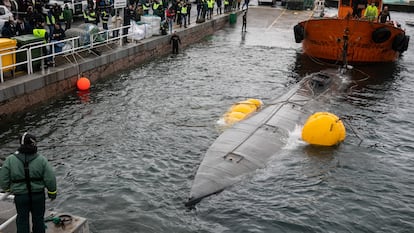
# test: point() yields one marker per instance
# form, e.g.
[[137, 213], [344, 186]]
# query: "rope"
[[353, 130]]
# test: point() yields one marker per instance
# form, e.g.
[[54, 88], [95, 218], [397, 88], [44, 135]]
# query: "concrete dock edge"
[[18, 94]]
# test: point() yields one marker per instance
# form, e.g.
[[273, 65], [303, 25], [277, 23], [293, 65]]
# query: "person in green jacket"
[[67, 16], [26, 174]]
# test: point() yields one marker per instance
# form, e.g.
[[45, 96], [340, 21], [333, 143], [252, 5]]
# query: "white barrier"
[[72, 45]]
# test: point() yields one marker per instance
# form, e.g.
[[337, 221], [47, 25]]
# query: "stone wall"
[[18, 94]]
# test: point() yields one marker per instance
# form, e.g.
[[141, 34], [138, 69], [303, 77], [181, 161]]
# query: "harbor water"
[[126, 152]]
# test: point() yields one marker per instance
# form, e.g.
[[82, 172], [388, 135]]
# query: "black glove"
[[52, 195]]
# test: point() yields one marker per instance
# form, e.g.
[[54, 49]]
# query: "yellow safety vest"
[[92, 16], [48, 20], [104, 17], [40, 33], [210, 4], [184, 10], [371, 13], [155, 6]]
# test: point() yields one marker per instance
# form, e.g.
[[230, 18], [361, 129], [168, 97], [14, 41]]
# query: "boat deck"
[[58, 222]]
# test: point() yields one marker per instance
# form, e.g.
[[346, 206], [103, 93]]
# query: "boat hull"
[[362, 41], [249, 144]]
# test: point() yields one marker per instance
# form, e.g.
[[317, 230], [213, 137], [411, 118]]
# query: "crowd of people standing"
[[101, 12], [51, 22]]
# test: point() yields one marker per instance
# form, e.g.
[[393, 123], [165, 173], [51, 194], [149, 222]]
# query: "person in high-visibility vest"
[[210, 5], [40, 32], [86, 15], [61, 17], [50, 21], [105, 18], [371, 13], [158, 9], [226, 6], [92, 17], [145, 7], [184, 15]]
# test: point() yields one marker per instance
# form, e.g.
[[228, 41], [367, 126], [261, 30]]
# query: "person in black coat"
[[22, 28], [175, 41], [8, 30], [357, 7], [129, 14]]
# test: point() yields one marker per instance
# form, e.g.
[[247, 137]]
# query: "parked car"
[[5, 15]]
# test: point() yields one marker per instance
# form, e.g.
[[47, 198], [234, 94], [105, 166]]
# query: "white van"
[[5, 15]]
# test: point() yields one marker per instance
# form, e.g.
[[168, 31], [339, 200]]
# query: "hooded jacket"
[[12, 176]]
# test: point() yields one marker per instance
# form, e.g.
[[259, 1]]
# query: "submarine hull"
[[249, 144]]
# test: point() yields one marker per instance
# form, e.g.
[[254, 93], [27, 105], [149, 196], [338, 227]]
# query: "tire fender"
[[380, 35], [299, 33], [398, 42], [405, 43]]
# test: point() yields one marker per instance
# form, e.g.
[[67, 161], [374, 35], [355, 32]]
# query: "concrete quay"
[[18, 94]]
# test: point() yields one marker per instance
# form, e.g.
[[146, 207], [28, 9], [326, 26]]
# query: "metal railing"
[[11, 220], [77, 44]]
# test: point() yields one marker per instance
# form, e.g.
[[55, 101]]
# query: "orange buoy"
[[233, 117], [245, 108], [323, 129], [240, 111], [83, 84]]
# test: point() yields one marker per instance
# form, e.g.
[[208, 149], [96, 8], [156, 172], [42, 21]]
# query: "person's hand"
[[51, 195]]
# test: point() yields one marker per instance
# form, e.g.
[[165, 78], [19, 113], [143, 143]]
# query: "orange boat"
[[349, 38]]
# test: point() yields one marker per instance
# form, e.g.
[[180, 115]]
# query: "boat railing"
[[9, 222]]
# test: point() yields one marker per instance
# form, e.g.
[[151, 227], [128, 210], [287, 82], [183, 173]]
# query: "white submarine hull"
[[249, 144]]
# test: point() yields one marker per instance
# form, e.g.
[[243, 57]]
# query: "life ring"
[[398, 42], [299, 33], [381, 35]]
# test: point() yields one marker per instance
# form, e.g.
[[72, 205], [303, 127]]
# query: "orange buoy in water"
[[83, 84]]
